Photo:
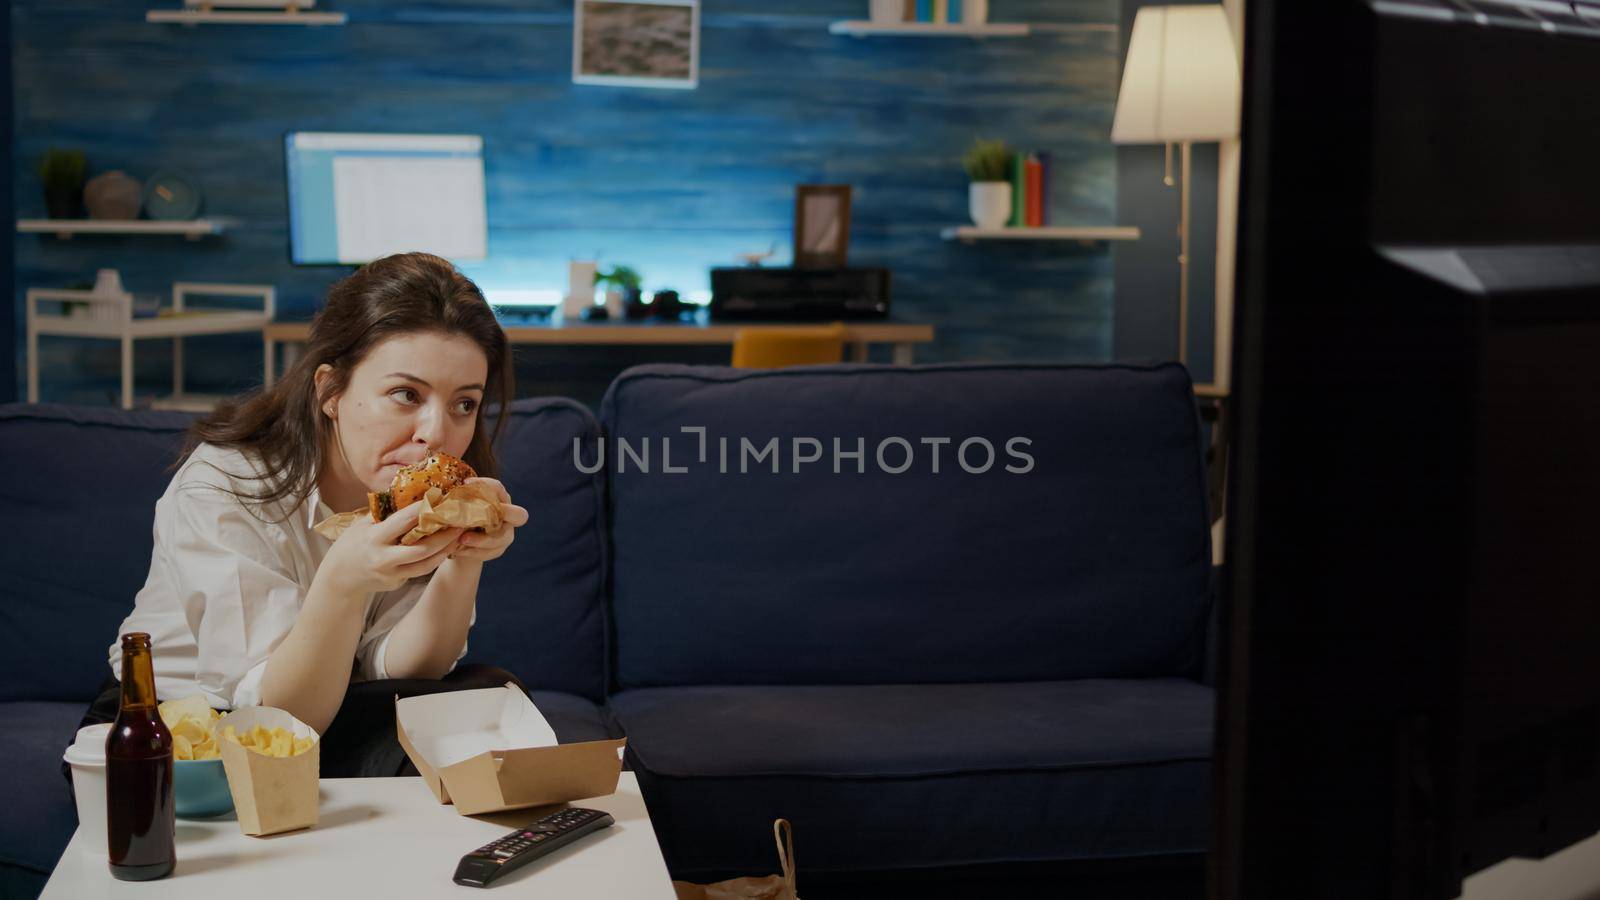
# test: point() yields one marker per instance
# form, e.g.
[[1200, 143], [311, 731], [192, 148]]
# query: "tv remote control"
[[491, 862]]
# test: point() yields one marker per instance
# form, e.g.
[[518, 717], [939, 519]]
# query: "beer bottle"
[[140, 827]]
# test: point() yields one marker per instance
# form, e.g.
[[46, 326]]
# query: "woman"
[[248, 606]]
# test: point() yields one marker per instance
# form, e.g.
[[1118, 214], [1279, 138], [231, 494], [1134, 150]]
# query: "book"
[[1044, 188], [910, 14], [924, 10], [941, 11], [1034, 185], [955, 11], [1019, 194]]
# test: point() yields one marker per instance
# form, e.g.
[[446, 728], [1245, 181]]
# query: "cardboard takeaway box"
[[491, 750]]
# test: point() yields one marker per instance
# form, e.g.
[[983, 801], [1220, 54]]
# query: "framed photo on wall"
[[821, 226], [636, 43]]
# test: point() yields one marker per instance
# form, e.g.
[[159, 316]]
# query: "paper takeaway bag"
[[466, 506], [766, 887], [271, 794]]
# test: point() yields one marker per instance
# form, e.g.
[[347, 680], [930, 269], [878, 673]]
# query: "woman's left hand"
[[473, 546]]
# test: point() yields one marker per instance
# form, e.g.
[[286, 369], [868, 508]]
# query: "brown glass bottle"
[[140, 827]]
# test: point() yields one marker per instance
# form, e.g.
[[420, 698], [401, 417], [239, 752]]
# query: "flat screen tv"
[[1410, 673]]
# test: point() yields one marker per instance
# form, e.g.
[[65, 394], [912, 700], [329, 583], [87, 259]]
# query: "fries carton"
[[491, 750], [271, 794]]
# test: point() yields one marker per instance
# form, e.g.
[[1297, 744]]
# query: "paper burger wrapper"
[[465, 506], [271, 794]]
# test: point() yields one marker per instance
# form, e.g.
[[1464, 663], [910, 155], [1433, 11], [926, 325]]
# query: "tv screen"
[[356, 197]]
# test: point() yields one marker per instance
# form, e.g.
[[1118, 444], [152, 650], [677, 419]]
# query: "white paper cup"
[[87, 757]]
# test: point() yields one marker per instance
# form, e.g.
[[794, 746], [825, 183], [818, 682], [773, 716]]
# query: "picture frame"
[[636, 43], [821, 226]]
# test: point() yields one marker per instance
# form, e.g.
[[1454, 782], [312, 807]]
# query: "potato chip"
[[192, 722], [278, 742], [190, 728], [196, 707]]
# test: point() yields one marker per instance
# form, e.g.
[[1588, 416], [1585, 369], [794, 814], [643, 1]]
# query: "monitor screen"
[[356, 197]]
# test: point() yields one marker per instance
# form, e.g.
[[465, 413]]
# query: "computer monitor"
[[356, 197], [1410, 666]]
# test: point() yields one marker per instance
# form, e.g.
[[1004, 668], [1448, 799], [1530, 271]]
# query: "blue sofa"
[[934, 674]]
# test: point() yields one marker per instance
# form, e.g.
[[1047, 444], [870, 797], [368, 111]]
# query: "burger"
[[439, 470]]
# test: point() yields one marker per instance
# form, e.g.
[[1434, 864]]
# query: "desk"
[[384, 838], [901, 336]]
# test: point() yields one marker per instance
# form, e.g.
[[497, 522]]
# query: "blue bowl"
[[200, 788]]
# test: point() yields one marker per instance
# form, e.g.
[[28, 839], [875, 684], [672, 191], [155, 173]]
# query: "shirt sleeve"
[[235, 587]]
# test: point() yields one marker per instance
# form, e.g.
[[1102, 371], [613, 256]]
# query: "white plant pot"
[[974, 12], [886, 11], [989, 203]]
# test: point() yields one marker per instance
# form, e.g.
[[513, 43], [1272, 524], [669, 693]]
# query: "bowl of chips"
[[199, 783]]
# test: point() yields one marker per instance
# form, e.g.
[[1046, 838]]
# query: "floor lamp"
[[1180, 84]]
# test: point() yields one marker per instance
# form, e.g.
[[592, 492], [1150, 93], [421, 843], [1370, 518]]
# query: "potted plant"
[[62, 172], [988, 164], [622, 288]]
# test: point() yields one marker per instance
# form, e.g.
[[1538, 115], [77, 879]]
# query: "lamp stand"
[[1183, 256]]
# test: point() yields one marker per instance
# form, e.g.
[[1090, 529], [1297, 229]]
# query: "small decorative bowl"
[[200, 788]]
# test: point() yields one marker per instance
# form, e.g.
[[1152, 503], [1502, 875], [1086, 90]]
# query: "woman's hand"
[[472, 546], [368, 557]]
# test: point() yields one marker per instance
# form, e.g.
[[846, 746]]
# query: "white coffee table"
[[384, 838]]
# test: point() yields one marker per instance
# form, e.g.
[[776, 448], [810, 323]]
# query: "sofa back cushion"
[[79, 497], [85, 482], [1089, 558], [540, 609]]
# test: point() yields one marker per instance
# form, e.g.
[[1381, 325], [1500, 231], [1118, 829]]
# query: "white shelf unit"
[[290, 16], [970, 233], [111, 318], [861, 29], [193, 229]]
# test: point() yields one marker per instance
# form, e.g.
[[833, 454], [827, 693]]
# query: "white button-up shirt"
[[227, 579]]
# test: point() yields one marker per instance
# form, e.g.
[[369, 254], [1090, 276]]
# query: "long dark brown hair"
[[409, 293]]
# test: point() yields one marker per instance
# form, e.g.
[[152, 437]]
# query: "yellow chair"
[[772, 348]]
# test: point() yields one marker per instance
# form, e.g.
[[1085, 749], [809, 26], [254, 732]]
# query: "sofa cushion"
[[85, 481], [1093, 562], [574, 719], [540, 607], [39, 817], [924, 775]]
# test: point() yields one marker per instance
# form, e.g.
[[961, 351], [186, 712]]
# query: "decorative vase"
[[974, 12], [989, 203], [113, 195], [887, 11]]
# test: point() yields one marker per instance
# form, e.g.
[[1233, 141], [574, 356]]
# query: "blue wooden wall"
[[671, 182]]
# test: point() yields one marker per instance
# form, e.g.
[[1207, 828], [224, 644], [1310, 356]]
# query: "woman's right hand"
[[368, 557]]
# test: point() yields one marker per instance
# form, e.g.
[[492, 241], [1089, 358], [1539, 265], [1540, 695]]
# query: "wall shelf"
[[291, 16], [193, 229], [969, 233], [861, 29]]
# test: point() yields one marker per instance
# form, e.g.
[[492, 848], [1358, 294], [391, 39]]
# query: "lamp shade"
[[1181, 78]]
